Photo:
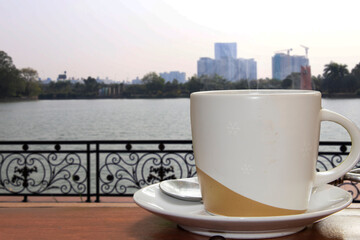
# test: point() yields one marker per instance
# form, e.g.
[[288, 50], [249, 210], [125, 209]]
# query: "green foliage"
[[333, 74], [356, 71], [154, 84], [15, 82], [172, 89], [242, 84], [194, 84], [60, 89], [316, 82], [294, 78], [9, 77], [265, 84], [29, 74], [66, 89], [32, 84], [91, 88], [287, 83]]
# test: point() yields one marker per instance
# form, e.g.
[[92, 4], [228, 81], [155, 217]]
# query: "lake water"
[[125, 119]]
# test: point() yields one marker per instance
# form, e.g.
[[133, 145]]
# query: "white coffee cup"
[[256, 150]]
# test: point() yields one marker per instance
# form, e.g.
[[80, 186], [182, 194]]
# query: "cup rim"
[[257, 92]]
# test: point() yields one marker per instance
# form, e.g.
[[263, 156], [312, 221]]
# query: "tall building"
[[228, 68], [225, 50], [247, 69], [305, 80], [206, 66], [284, 64], [170, 76], [227, 65]]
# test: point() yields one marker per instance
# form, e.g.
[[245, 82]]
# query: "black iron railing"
[[110, 168]]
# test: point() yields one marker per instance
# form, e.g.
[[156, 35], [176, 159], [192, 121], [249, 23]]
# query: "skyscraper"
[[206, 66], [227, 65], [284, 64], [247, 68], [225, 50]]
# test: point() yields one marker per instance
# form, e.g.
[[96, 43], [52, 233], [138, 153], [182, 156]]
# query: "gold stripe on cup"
[[221, 200]]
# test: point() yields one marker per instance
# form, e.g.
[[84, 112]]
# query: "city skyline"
[[227, 64], [125, 39]]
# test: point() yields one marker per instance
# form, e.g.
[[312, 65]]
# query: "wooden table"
[[125, 220]]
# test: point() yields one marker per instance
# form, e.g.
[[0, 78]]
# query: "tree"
[[154, 84], [316, 81], [286, 83], [133, 90], [29, 74], [194, 84], [6, 61], [61, 89], [333, 74], [273, 83], [215, 82], [32, 85], [10, 82], [172, 89], [254, 84], [91, 87], [335, 70], [241, 84], [356, 71], [295, 79]]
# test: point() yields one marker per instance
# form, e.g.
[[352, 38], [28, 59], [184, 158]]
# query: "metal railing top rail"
[[11, 142], [80, 146], [128, 146], [126, 141]]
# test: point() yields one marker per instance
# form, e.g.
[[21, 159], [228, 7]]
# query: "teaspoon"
[[187, 189]]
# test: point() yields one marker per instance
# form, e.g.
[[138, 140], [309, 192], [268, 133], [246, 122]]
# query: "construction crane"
[[306, 50], [287, 50]]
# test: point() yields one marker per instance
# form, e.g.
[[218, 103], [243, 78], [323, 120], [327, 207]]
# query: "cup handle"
[[354, 155]]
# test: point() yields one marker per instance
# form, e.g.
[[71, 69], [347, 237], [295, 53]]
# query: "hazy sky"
[[123, 39]]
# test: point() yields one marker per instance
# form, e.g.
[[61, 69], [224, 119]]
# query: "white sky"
[[123, 39]]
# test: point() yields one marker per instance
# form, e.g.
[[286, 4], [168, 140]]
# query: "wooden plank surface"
[[127, 221]]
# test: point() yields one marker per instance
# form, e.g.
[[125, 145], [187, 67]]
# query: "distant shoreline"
[[13, 99], [340, 95], [324, 95]]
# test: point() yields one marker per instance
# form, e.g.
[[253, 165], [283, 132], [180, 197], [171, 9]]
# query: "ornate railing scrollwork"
[[326, 162], [36, 174], [112, 168], [127, 172]]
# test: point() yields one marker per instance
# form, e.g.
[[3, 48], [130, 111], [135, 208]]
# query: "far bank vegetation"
[[336, 81]]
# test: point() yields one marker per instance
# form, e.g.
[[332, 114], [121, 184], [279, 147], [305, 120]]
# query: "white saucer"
[[192, 217]]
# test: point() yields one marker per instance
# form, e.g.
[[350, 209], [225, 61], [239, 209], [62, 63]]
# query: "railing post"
[[88, 173], [97, 173]]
